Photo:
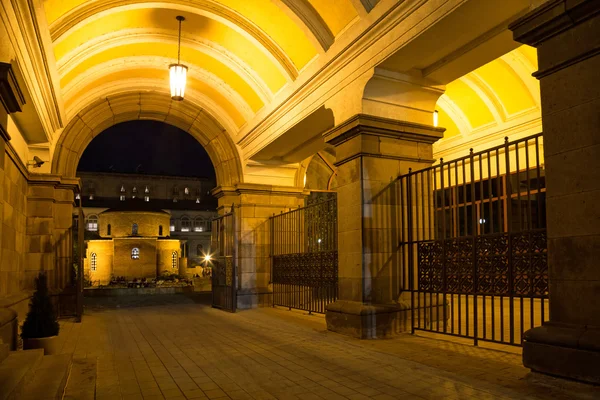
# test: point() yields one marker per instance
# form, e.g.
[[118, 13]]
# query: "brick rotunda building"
[[134, 243]]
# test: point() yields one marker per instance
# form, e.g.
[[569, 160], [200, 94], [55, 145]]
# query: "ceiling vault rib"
[[71, 19], [309, 17]]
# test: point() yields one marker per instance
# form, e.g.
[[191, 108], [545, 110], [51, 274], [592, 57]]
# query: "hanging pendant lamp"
[[178, 72]]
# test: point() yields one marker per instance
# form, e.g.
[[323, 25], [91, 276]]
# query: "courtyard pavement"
[[178, 347]]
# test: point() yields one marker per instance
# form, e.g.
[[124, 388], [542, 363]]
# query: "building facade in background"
[[187, 201]]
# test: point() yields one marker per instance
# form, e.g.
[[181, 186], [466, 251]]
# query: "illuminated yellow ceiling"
[[241, 53], [492, 95]]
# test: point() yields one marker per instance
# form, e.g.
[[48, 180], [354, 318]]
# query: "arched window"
[[186, 191], [94, 262], [92, 223], [134, 229], [108, 230], [135, 253], [174, 260], [199, 224], [186, 224], [172, 226], [160, 230]]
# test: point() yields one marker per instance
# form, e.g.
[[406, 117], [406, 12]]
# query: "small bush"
[[41, 320]]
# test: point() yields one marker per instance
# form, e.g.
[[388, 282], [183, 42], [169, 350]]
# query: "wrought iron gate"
[[304, 257], [474, 249], [224, 293]]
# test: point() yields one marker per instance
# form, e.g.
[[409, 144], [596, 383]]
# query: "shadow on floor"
[[99, 304]]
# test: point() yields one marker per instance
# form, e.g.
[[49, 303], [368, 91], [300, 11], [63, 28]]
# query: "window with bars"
[[94, 262], [92, 223], [174, 259], [135, 253]]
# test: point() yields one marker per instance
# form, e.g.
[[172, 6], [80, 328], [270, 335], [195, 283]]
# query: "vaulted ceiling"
[[240, 53]]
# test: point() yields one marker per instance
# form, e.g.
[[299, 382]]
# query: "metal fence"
[[223, 242], [304, 257], [473, 243]]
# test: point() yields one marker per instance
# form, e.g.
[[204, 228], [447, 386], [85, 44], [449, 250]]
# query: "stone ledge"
[[570, 351]]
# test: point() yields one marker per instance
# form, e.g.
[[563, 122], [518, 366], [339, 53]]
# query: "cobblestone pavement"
[[177, 347]]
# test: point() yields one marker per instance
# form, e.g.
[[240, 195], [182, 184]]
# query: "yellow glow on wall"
[[472, 105], [276, 24], [163, 75], [189, 57], [507, 86], [336, 13], [530, 53], [55, 8], [196, 26], [446, 122]]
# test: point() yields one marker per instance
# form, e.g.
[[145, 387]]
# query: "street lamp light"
[[178, 72]]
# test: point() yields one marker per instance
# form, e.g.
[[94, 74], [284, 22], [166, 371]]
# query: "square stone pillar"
[[567, 36], [253, 205], [49, 236], [372, 152]]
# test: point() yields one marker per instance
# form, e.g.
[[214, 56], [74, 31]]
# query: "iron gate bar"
[[224, 276], [304, 260], [477, 265]]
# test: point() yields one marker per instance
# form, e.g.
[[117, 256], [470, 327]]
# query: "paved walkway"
[[175, 347]]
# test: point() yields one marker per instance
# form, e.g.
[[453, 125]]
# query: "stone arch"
[[113, 109]]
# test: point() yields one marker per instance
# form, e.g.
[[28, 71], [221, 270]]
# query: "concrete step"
[[17, 370], [82, 380], [50, 379]]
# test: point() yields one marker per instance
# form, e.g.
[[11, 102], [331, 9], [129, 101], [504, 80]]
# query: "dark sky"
[[159, 148]]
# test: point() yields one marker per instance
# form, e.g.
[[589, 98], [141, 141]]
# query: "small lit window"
[[135, 253], [146, 190], [77, 196], [134, 189], [122, 198], [94, 262], [186, 191], [146, 198], [122, 189], [91, 197], [108, 230], [172, 228], [174, 259], [134, 229], [160, 230], [133, 196], [197, 200], [174, 199], [186, 224], [92, 223]]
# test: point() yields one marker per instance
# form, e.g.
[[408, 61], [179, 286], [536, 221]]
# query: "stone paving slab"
[[177, 347]]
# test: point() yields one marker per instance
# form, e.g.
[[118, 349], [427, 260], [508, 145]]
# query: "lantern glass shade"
[[178, 76]]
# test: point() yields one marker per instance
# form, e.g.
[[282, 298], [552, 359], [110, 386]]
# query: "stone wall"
[[165, 249], [121, 223], [104, 251], [143, 267], [14, 201]]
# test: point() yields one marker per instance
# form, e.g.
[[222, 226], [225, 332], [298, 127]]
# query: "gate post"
[[567, 37], [372, 151], [254, 204]]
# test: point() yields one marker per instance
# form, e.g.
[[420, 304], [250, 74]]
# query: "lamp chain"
[[179, 44]]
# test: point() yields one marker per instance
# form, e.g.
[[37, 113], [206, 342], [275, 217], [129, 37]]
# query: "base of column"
[[569, 351], [367, 321], [253, 298]]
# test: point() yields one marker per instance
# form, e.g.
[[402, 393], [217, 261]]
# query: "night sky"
[[147, 147]]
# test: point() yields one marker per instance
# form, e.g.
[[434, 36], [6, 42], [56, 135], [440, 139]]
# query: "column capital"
[[552, 18], [372, 136]]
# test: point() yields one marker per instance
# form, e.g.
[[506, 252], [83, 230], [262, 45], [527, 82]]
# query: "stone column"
[[371, 152], [567, 36], [48, 243], [253, 205]]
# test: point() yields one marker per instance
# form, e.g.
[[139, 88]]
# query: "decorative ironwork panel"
[[306, 269], [530, 263], [431, 267], [492, 264], [459, 265]]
